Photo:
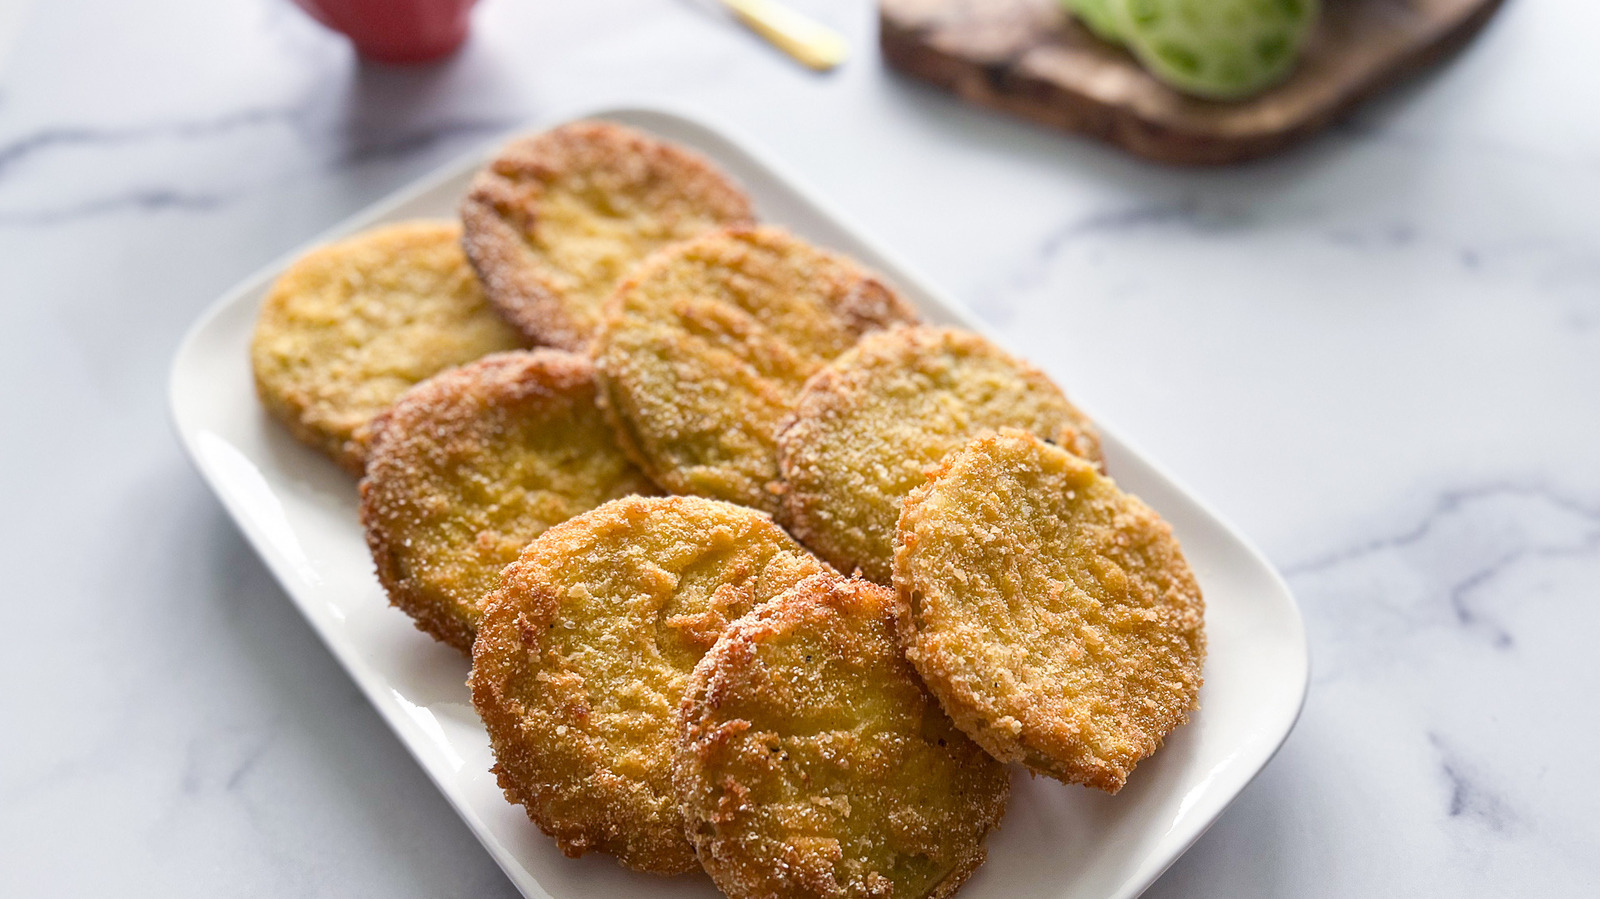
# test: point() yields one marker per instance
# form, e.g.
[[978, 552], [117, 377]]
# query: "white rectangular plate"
[[299, 512]]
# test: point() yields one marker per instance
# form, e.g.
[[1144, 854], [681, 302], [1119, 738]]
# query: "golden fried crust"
[[813, 763], [472, 464], [584, 652], [869, 425], [1052, 614], [349, 326], [558, 218], [706, 345]]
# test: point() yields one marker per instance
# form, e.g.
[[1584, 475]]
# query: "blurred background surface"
[[1379, 355]]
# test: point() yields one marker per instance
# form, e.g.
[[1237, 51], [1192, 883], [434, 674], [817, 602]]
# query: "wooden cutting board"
[[1029, 58]]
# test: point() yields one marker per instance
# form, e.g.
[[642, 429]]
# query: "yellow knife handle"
[[807, 40]]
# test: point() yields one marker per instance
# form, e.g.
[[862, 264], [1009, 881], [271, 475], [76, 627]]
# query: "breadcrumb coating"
[[1052, 614], [867, 428], [350, 326], [815, 764], [556, 220], [472, 464], [706, 345], [585, 650]]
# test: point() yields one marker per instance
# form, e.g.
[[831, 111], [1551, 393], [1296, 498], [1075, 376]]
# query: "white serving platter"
[[299, 512]]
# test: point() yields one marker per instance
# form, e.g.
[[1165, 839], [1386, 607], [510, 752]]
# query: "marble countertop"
[[1378, 355]]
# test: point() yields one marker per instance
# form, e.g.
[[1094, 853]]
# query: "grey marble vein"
[[374, 145], [157, 199], [20, 148], [1451, 505], [1445, 574], [1470, 797], [996, 302], [380, 145]]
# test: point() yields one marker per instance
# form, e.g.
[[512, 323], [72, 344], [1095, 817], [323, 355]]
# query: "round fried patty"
[[815, 764], [1052, 614], [868, 427], [585, 650], [470, 465], [350, 326], [558, 218], [706, 345]]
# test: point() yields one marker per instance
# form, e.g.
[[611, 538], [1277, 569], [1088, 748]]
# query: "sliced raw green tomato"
[[1096, 15], [1222, 49]]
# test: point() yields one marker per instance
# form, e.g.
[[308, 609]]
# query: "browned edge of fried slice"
[[1019, 708], [584, 650], [705, 345], [438, 427], [501, 210], [349, 453], [727, 765], [867, 426], [350, 325]]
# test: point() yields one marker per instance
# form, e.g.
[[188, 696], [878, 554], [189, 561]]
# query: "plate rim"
[[639, 115]]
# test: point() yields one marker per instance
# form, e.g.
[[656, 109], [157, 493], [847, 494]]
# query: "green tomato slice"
[[1096, 15], [1219, 49]]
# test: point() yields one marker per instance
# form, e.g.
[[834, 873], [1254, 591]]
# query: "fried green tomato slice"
[[585, 650], [470, 465], [868, 427], [814, 763], [706, 346], [1052, 614], [558, 218], [350, 326]]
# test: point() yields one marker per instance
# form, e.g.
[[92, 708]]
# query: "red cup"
[[396, 31]]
